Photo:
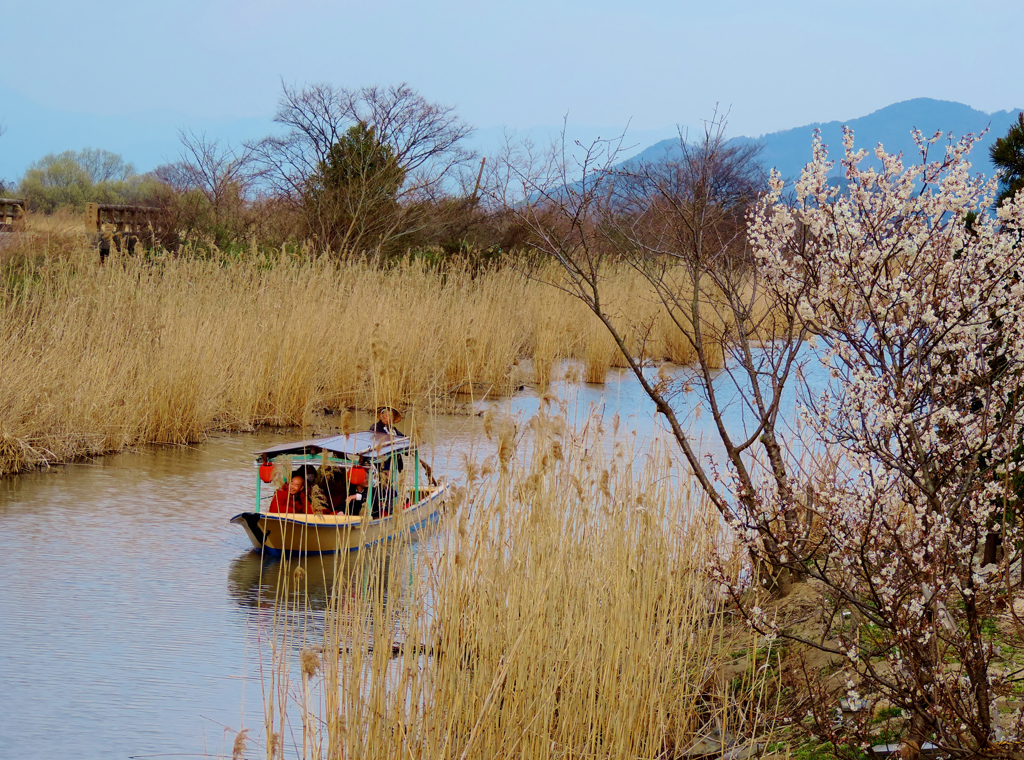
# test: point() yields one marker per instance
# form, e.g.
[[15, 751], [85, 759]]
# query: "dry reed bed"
[[566, 613], [96, 358]]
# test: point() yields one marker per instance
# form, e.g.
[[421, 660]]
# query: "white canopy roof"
[[363, 444]]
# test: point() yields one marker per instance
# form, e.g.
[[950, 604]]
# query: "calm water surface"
[[131, 617]]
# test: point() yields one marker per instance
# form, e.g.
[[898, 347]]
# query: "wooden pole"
[[479, 176]]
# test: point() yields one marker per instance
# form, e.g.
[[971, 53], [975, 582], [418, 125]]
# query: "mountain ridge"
[[149, 138], [790, 149]]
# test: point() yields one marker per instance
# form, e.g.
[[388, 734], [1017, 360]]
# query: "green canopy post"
[[416, 475], [369, 487]]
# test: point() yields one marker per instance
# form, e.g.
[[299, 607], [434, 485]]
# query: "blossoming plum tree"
[[920, 317]]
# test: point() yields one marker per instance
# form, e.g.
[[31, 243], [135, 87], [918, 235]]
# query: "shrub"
[[74, 178]]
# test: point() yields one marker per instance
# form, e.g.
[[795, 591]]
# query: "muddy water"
[[131, 613]]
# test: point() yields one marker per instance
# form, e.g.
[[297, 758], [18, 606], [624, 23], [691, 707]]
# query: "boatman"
[[387, 416]]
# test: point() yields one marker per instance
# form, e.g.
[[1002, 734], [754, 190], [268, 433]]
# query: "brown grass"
[[96, 358], [63, 222], [566, 613]]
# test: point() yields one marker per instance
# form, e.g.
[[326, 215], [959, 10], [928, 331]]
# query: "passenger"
[[319, 489], [332, 485], [309, 473], [381, 498], [357, 491], [291, 497]]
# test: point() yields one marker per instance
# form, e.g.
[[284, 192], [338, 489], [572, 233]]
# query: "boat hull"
[[277, 534]]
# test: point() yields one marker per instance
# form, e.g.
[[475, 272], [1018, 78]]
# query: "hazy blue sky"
[[217, 64]]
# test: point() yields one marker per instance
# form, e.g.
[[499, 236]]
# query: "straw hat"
[[396, 415]]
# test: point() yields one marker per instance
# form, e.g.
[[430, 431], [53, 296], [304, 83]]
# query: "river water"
[[130, 610], [131, 613]]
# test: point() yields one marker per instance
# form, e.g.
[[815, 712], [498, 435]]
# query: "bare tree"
[[213, 168], [423, 137], [104, 166], [680, 224], [213, 184]]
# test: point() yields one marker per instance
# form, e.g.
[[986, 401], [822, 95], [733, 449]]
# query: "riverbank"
[[167, 349]]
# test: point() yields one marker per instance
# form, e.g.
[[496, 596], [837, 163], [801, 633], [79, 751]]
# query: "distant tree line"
[[377, 170], [74, 178]]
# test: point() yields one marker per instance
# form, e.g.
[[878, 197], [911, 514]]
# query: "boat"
[[412, 503]]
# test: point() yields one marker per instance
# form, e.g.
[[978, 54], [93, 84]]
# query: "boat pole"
[[259, 480]]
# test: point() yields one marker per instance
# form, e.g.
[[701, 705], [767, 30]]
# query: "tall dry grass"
[[565, 613], [63, 223], [97, 358], [94, 358]]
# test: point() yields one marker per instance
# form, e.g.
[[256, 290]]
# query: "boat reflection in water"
[[348, 602], [263, 582], [309, 583]]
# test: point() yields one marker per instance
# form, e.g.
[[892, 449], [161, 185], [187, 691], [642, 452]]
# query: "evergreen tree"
[[351, 199], [359, 159], [1008, 156]]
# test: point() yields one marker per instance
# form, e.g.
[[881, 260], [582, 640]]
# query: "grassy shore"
[[565, 608], [167, 348], [565, 613]]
